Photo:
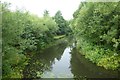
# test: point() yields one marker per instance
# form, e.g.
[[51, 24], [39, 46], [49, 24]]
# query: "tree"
[[46, 13], [22, 34], [62, 23], [96, 28]]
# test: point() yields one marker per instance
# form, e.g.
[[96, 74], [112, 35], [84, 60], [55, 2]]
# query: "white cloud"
[[67, 7]]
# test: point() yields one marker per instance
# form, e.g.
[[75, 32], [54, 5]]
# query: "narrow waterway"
[[60, 68], [63, 61]]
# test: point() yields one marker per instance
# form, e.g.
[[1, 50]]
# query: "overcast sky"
[[67, 7]]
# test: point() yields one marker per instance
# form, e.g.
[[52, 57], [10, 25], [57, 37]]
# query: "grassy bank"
[[97, 54]]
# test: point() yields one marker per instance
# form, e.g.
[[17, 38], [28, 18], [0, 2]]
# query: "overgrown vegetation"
[[23, 33], [63, 25], [96, 26]]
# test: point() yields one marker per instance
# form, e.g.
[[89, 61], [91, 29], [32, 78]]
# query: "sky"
[[37, 7]]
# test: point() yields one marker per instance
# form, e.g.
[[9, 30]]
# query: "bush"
[[97, 30], [22, 34]]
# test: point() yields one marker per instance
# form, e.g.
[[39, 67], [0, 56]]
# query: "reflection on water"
[[63, 61], [61, 68], [82, 67], [42, 62]]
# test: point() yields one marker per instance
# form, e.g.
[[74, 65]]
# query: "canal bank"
[[63, 61]]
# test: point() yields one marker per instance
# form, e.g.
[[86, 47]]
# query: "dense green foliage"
[[97, 30], [95, 26], [62, 24], [22, 34]]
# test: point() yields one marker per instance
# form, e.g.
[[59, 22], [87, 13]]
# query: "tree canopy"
[[97, 29]]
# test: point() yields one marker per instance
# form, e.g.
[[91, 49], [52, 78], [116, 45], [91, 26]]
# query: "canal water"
[[63, 61]]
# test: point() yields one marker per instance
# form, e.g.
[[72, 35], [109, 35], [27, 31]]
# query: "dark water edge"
[[89, 69], [62, 60]]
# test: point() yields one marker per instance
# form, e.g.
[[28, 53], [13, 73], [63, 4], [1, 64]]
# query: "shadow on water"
[[82, 67], [43, 61], [63, 59]]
